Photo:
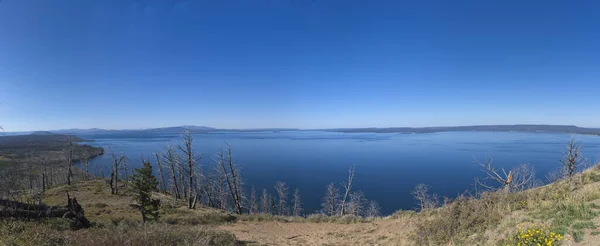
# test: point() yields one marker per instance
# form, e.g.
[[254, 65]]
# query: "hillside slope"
[[568, 207]]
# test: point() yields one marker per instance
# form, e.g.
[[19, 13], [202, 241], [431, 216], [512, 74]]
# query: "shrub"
[[461, 219], [535, 235], [590, 177], [403, 214]]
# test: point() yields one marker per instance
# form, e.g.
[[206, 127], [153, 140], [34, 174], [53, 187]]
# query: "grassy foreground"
[[562, 213]]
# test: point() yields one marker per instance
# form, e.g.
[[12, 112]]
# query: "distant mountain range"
[[481, 128], [205, 129]]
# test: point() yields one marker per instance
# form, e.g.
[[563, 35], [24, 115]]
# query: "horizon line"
[[291, 128]]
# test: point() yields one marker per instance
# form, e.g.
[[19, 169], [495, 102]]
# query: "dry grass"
[[102, 207], [313, 218], [115, 222], [566, 206], [51, 233]]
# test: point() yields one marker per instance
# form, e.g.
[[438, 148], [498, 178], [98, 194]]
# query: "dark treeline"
[[30, 164]]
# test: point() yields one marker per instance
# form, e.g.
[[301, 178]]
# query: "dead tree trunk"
[[181, 179], [572, 158], [163, 184], [347, 187], [86, 163], [190, 158], [171, 157], [126, 176], [12, 209], [114, 176], [70, 144], [504, 179], [43, 182], [282, 193], [231, 182], [221, 186], [236, 181]]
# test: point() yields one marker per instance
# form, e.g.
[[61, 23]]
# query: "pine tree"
[[144, 183]]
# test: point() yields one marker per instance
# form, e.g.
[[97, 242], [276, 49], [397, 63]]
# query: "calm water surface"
[[388, 166]]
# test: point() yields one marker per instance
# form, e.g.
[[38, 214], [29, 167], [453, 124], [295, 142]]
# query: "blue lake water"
[[388, 165]]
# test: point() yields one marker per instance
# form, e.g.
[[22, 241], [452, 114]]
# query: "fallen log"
[[23, 206], [19, 210]]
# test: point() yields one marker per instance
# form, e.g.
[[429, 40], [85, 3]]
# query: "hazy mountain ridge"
[[205, 129], [479, 128]]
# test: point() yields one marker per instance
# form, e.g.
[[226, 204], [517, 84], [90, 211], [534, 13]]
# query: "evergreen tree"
[[144, 183]]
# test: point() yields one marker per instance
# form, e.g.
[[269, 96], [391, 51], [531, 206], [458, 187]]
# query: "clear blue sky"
[[306, 64]]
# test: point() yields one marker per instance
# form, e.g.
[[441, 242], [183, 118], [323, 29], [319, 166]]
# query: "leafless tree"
[[200, 189], [126, 171], [501, 177], [572, 158], [29, 163], [523, 178], [231, 178], [43, 182], [253, 203], [372, 210], [330, 200], [190, 158], [86, 163], [43, 160], [161, 173], [282, 193], [272, 206], [348, 188], [182, 182], [212, 187], [240, 187], [517, 179], [51, 176], [297, 203], [264, 202], [356, 204], [555, 175], [221, 188], [173, 161], [114, 176], [69, 152], [425, 200]]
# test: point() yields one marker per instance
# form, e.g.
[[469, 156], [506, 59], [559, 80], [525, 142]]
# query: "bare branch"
[[331, 200], [425, 200], [347, 188], [297, 204], [572, 158], [282, 193]]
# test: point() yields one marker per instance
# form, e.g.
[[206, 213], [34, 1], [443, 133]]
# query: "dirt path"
[[382, 232]]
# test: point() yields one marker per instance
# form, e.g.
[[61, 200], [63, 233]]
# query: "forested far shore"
[[34, 163]]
